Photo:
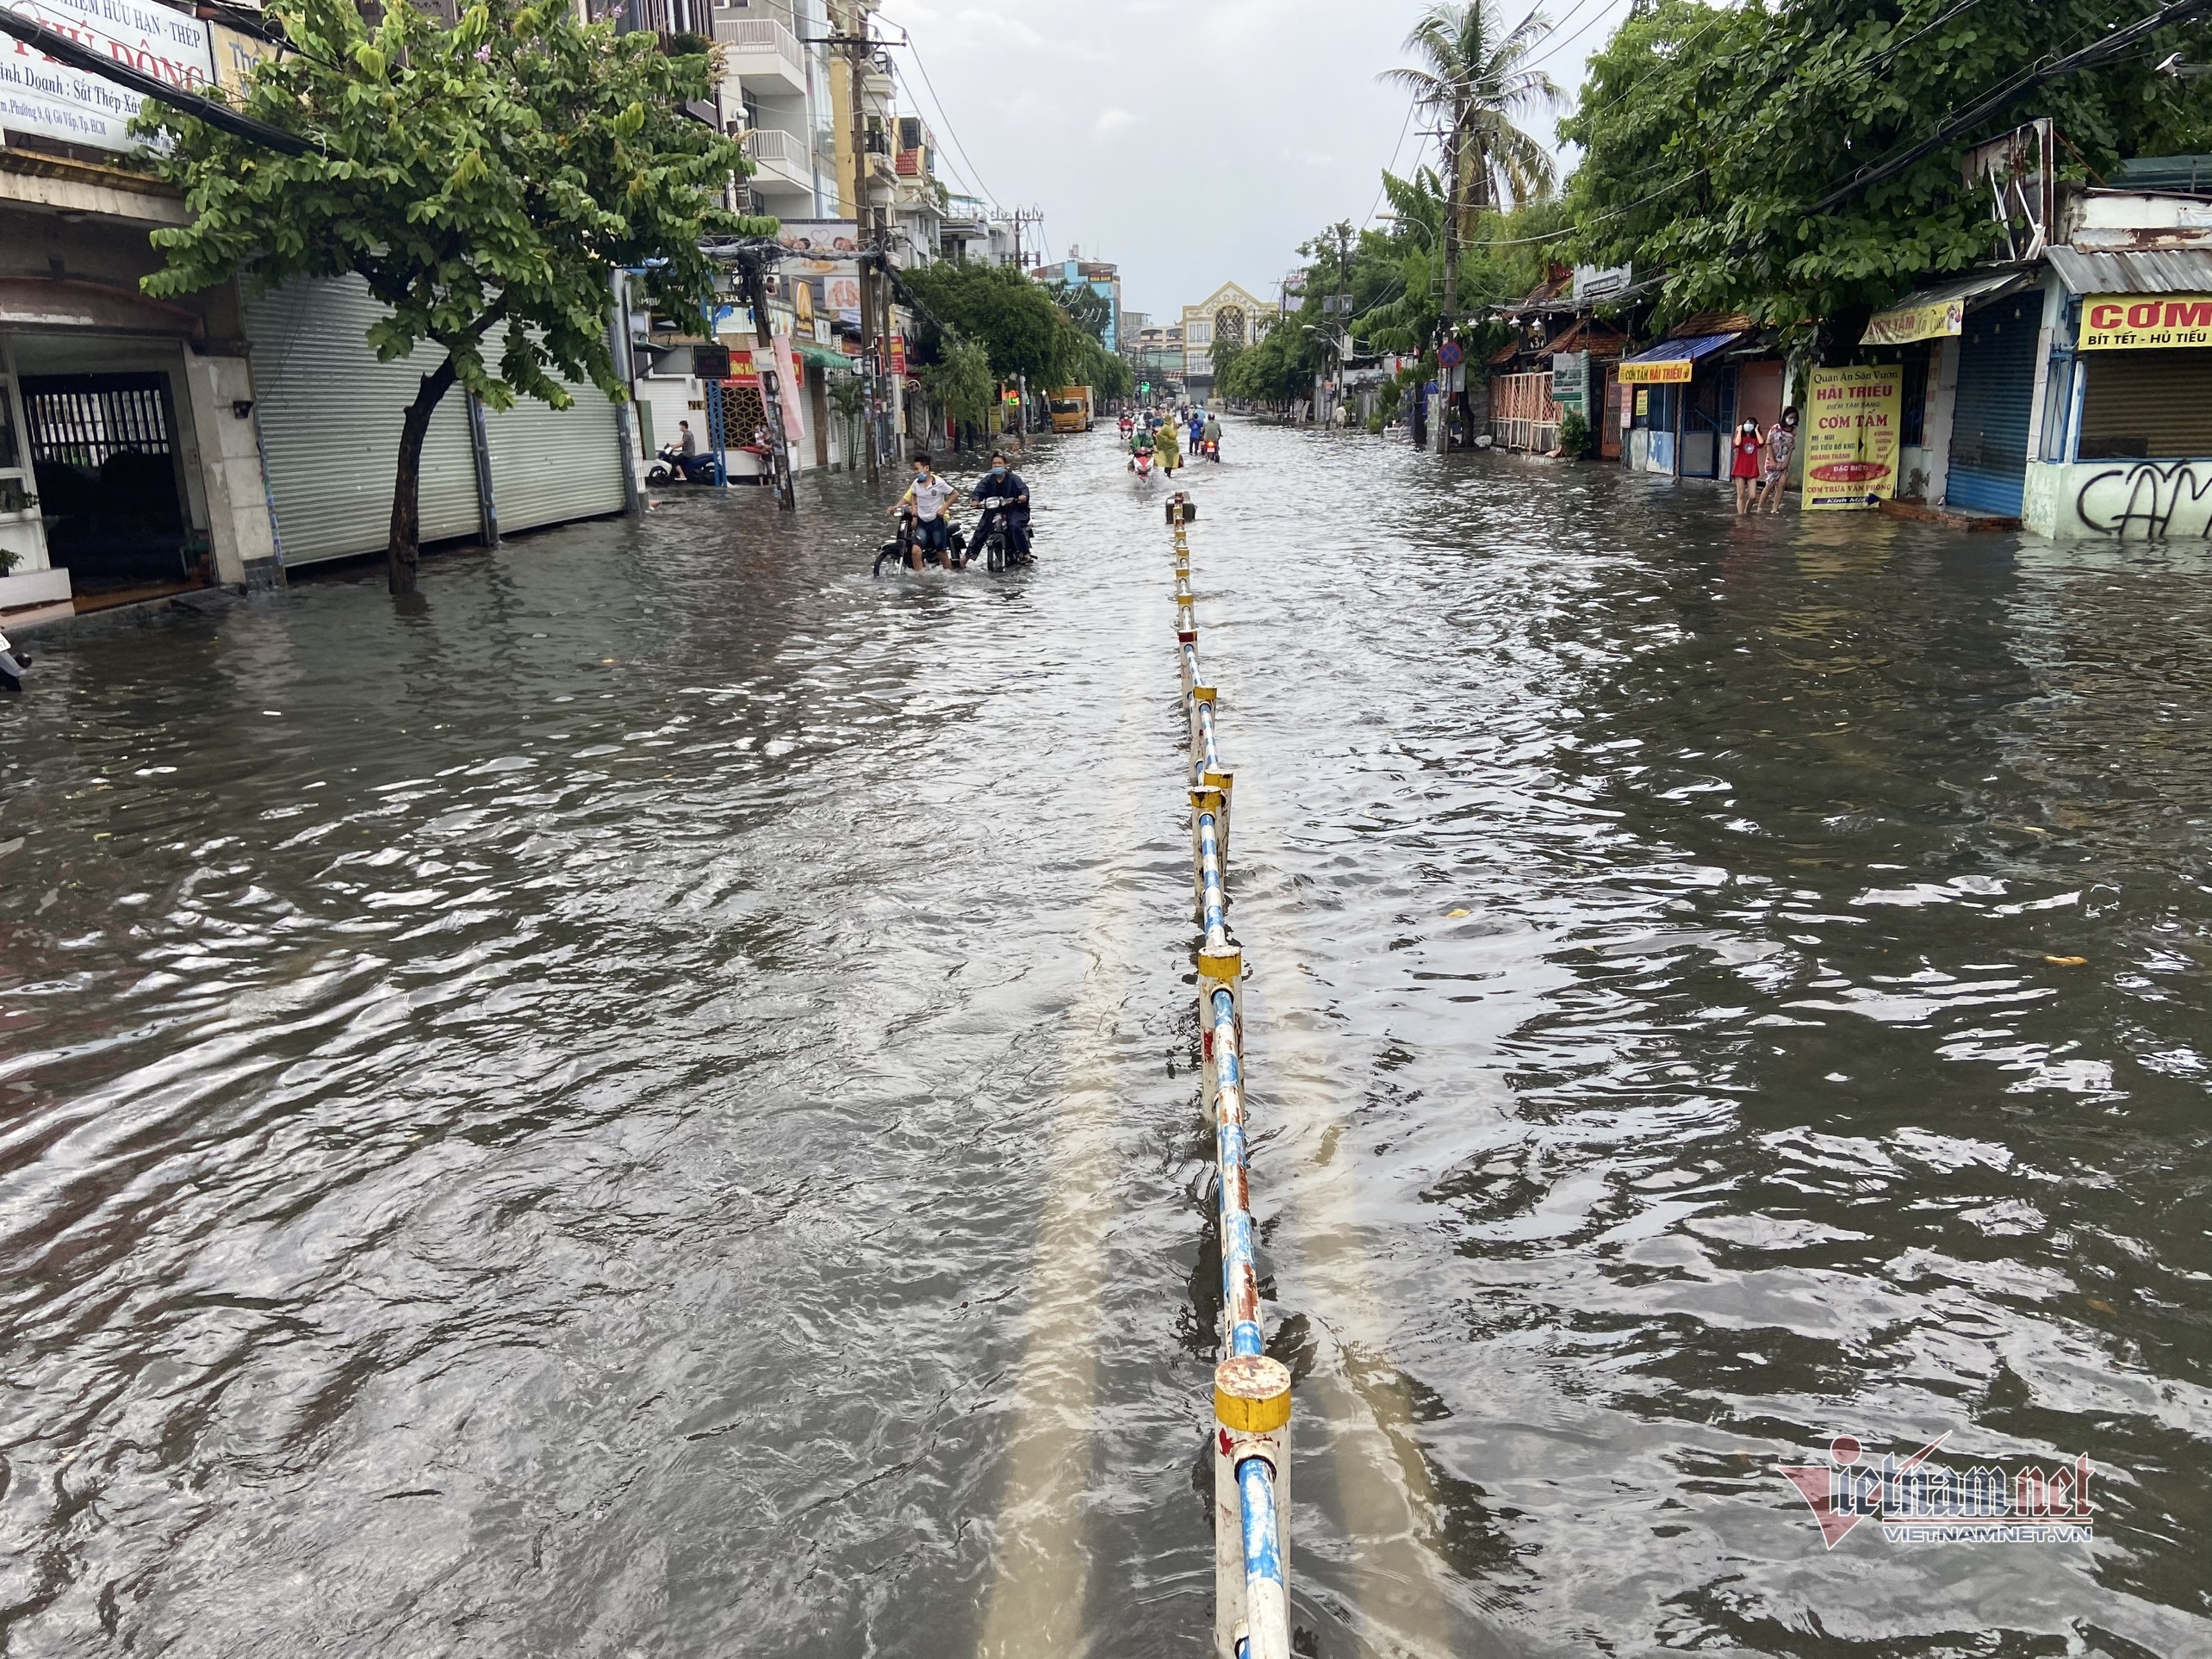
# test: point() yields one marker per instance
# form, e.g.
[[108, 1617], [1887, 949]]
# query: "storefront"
[[1993, 406], [128, 458], [330, 416], [2127, 450], [1678, 402]]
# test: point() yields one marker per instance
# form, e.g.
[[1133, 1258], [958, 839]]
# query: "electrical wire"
[[1405, 127], [974, 171]]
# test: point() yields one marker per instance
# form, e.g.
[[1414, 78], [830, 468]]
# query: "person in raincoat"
[[1167, 446]]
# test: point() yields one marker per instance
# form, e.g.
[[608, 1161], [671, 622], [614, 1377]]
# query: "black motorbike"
[[1002, 550], [672, 466], [894, 552]]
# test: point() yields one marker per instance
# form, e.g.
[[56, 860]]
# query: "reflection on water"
[[647, 1104]]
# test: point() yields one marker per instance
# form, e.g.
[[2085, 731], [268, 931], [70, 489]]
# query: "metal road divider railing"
[[1252, 1393]]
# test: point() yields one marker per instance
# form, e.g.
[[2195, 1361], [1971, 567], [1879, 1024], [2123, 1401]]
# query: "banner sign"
[[52, 100], [898, 356], [1667, 371], [787, 388], [1850, 443], [2111, 322], [820, 238], [237, 53], [1918, 322], [1570, 380]]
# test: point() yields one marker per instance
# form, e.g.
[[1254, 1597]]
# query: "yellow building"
[[1231, 312]]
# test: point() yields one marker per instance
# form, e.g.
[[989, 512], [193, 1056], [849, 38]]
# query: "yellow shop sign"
[[2130, 322], [1667, 371]]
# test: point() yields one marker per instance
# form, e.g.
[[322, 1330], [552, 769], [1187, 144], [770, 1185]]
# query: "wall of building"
[[2119, 500]]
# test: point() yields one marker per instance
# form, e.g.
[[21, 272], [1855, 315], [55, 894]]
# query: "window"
[[1198, 333]]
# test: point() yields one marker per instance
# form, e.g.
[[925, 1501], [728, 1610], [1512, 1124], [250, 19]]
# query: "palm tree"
[[1476, 75]]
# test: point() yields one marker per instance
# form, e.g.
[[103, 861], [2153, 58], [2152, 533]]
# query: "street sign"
[[1144, 386], [1449, 355]]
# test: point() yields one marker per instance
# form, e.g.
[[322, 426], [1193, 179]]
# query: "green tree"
[[1224, 354], [482, 179], [959, 382], [1712, 135], [1474, 75]]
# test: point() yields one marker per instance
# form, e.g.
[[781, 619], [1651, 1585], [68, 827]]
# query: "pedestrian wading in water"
[[1744, 466]]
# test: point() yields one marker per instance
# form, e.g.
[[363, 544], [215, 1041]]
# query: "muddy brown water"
[[644, 1105]]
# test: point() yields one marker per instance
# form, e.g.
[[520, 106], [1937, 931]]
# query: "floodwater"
[[645, 1105]]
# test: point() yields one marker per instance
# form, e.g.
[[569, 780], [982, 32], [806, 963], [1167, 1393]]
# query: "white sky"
[[1193, 142]]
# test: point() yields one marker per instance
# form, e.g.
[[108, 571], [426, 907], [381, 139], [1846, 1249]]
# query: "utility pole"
[[750, 272], [859, 47], [1440, 417]]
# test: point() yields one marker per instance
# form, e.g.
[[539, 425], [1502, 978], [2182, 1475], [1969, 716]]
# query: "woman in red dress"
[[1743, 465]]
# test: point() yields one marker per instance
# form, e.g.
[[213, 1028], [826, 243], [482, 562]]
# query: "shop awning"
[[1672, 362], [822, 358], [1931, 313], [2158, 271]]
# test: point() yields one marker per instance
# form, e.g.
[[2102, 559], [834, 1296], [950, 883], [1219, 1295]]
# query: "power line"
[[1403, 129], [974, 171]]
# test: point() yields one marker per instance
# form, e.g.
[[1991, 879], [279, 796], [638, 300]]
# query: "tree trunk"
[[403, 551]]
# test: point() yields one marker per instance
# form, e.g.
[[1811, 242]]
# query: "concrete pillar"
[[240, 527]]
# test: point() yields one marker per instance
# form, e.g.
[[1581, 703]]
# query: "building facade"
[[1229, 313]]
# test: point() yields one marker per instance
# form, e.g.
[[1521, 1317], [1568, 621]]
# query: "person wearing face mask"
[[1002, 490], [1743, 465]]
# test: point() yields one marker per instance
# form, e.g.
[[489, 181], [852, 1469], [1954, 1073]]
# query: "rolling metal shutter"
[[330, 417], [1996, 384], [2148, 405], [549, 464]]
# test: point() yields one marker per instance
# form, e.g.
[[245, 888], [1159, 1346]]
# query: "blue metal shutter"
[[1996, 384]]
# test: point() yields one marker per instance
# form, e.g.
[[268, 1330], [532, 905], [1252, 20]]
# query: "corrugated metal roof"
[[1972, 285], [1676, 350], [2158, 271]]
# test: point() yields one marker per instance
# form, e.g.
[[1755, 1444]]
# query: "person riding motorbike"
[[1212, 435], [1001, 493], [1169, 448], [930, 499], [1140, 443], [1128, 424]]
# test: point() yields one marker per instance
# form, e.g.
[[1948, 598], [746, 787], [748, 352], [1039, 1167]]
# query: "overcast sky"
[[1193, 142]]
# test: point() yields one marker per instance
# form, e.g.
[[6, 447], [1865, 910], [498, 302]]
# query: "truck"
[[1070, 408]]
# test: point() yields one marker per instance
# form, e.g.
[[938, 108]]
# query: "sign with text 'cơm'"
[[1850, 443], [2131, 322], [54, 100]]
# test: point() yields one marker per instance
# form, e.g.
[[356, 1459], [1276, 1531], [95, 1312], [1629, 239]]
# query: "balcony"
[[779, 158], [763, 53]]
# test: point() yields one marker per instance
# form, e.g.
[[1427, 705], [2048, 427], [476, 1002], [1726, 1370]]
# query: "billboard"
[[1850, 443], [52, 100]]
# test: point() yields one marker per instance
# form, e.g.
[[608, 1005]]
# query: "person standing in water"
[[1743, 465]]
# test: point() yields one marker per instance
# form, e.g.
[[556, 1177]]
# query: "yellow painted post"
[[1252, 1418]]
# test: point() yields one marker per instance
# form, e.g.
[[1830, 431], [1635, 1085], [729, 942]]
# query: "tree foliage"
[[1020, 328], [481, 176], [1086, 308], [1709, 132]]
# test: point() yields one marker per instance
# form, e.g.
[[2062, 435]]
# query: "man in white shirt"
[[929, 497]]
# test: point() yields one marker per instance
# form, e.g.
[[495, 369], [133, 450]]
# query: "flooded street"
[[646, 1105]]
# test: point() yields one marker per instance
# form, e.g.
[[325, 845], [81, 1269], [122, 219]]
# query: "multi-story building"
[[776, 92], [1229, 313], [1098, 276]]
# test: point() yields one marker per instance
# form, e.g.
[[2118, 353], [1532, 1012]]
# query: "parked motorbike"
[[672, 466], [894, 552]]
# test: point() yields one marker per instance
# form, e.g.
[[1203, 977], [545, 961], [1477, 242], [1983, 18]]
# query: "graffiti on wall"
[[2144, 498]]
